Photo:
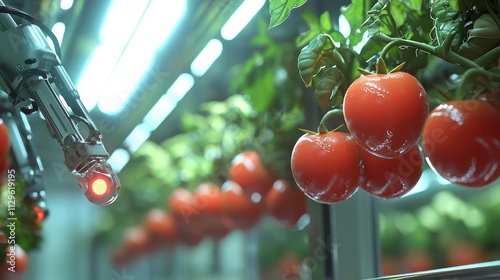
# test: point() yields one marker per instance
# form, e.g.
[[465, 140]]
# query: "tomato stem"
[[335, 113], [441, 51]]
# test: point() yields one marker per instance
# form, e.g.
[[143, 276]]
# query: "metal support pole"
[[357, 242]]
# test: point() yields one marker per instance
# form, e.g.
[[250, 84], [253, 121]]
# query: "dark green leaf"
[[414, 60], [311, 58], [280, 10], [327, 87]]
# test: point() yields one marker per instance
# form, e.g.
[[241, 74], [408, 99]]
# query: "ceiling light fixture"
[[240, 18], [206, 57]]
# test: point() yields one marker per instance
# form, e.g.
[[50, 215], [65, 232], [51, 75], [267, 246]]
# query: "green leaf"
[[328, 87], [398, 12], [416, 5], [356, 13], [311, 58], [280, 10], [262, 92], [325, 22]]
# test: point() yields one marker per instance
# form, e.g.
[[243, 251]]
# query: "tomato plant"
[[391, 178], [242, 212], [385, 113], [327, 166], [461, 140], [248, 171], [4, 139], [286, 203]]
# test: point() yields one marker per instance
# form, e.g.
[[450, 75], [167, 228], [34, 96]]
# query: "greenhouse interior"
[[249, 139]]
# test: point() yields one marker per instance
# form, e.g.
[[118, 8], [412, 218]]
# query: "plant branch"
[[437, 51]]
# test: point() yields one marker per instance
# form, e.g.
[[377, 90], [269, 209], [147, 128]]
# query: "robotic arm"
[[33, 78]]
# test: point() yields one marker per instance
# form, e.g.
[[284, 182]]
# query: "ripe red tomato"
[[385, 113], [463, 253], [248, 171], [136, 240], [161, 227], [182, 206], [20, 261], [4, 165], [461, 140], [286, 203], [4, 139], [241, 212], [208, 198], [417, 260], [327, 167], [391, 178]]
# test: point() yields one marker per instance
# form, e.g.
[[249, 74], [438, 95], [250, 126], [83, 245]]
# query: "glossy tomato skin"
[[4, 139], [327, 167], [248, 171], [392, 178], [242, 213], [286, 203], [385, 113], [461, 141]]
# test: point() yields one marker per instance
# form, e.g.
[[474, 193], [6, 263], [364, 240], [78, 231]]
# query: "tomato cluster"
[[387, 115], [213, 211]]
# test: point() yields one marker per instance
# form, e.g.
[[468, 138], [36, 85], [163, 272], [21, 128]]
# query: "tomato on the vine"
[[461, 140], [4, 139], [286, 203], [161, 227], [182, 205], [391, 178], [327, 167], [208, 197], [136, 240], [248, 171], [385, 113], [242, 212]]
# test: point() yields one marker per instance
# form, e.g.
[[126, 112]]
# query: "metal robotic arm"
[[25, 158], [33, 78]]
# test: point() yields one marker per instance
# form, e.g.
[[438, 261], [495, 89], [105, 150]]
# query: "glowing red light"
[[40, 214], [99, 186]]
